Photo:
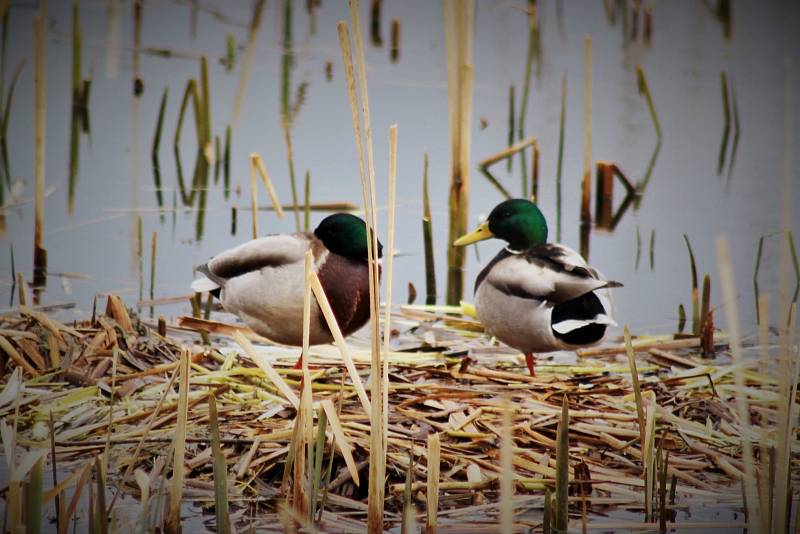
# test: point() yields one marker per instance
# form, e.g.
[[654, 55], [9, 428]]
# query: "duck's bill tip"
[[479, 234]]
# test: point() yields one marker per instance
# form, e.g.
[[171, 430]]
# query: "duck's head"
[[346, 235], [517, 221]]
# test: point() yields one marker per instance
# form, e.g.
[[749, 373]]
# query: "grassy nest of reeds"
[[101, 404]]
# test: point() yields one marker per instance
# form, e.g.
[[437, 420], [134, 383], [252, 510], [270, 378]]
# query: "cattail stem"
[[40, 109]]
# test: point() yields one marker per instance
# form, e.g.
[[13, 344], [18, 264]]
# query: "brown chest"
[[346, 284]]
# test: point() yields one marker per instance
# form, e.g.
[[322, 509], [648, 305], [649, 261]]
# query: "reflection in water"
[[5, 112], [154, 158], [79, 122], [534, 50], [249, 52], [394, 54], [205, 155], [375, 22], [287, 111]]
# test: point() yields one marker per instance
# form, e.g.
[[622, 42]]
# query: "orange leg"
[[299, 363], [530, 360]]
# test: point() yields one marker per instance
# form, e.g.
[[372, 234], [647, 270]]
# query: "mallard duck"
[[537, 296], [261, 281]]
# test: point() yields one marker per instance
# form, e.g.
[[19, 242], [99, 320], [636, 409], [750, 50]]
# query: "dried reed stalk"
[[333, 326], [40, 121], [586, 191], [387, 322], [265, 366], [433, 459], [727, 284], [377, 460], [179, 449], [258, 162], [459, 23], [341, 440], [506, 470], [636, 389]]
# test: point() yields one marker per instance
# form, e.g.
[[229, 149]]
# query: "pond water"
[[114, 181]]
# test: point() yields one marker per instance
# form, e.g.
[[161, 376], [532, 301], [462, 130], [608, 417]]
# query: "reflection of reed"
[[5, 108], [287, 113], [586, 188], [560, 164], [205, 153], [507, 154], [249, 53]]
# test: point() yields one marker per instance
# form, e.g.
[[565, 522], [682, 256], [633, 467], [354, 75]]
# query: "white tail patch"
[[569, 325], [203, 285]]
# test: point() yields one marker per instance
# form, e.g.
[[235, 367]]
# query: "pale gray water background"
[[685, 194]]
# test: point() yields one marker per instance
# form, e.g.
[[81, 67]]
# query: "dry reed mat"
[[107, 402]]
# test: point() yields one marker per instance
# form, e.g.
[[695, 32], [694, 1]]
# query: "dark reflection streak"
[[154, 153], [723, 147], [755, 278], [217, 159], [375, 22], [311, 6], [226, 167], [735, 134], [74, 158], [13, 275], [200, 184], [193, 20], [642, 184], [492, 180]]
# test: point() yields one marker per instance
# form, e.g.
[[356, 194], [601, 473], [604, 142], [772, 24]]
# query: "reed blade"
[[220, 470], [427, 237], [695, 294], [459, 23], [33, 498], [561, 518]]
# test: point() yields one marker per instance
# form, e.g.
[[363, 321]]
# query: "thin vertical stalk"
[[249, 53], [387, 321], [307, 204], [506, 471], [510, 161], [433, 482], [427, 237], [40, 108], [559, 166], [459, 19], [179, 452], [695, 292], [586, 192], [377, 460], [727, 284], [561, 522]]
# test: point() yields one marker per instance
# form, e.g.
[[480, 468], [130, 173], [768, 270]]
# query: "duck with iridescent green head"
[[262, 281], [537, 296]]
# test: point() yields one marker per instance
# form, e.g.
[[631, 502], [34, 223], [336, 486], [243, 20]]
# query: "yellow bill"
[[479, 234]]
